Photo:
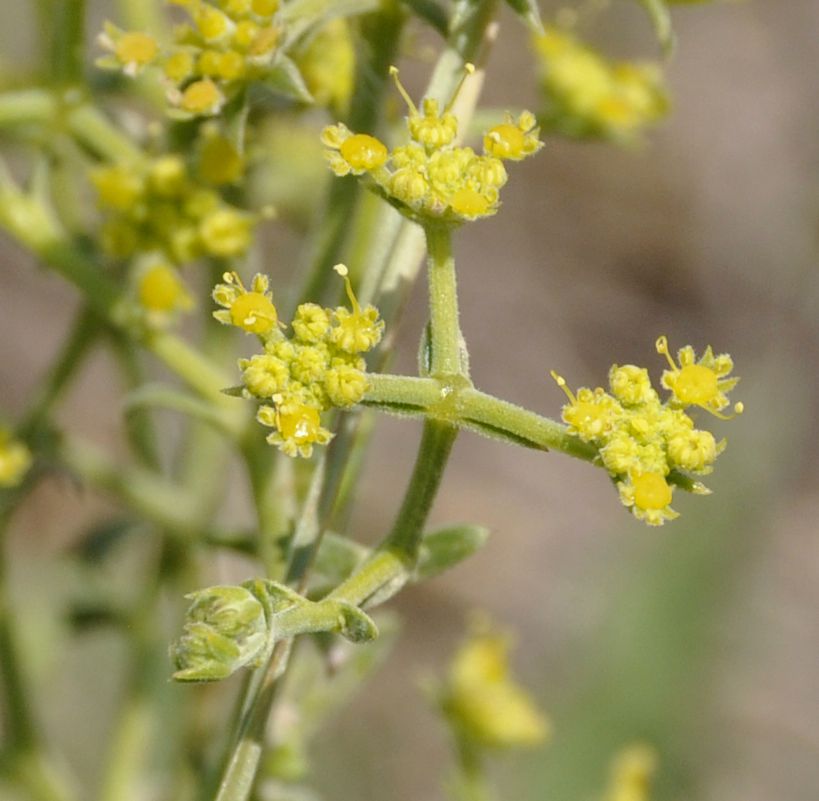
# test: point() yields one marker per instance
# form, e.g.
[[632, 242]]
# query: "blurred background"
[[700, 637]]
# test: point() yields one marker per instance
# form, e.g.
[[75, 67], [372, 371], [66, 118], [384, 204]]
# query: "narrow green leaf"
[[445, 548]]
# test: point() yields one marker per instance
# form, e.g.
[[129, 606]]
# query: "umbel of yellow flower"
[[298, 377], [156, 206], [588, 96], [15, 460], [225, 45], [431, 177], [483, 702], [642, 440]]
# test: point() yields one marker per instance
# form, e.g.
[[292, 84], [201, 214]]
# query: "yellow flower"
[[482, 700], [631, 385], [648, 495], [591, 414], [226, 232], [297, 426], [513, 139], [345, 385], [132, 51], [311, 323], [358, 330], [118, 186], [201, 97], [352, 153], [264, 375], [699, 383], [694, 450], [162, 290], [15, 460], [251, 310]]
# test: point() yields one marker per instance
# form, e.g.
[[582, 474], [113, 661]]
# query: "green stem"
[[447, 343], [385, 572], [534, 430]]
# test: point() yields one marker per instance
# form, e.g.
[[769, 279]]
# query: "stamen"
[[342, 270], [561, 382], [403, 92], [469, 69], [662, 348]]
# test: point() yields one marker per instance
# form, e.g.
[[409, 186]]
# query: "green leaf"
[[529, 12], [445, 548], [660, 16]]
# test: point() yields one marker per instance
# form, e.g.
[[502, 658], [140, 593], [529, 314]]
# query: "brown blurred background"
[[701, 637]]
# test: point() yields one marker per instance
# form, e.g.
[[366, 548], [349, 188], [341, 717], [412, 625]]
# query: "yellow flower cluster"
[[588, 96], [483, 702], [640, 439], [15, 460], [224, 44], [156, 206], [318, 367], [431, 177], [632, 771]]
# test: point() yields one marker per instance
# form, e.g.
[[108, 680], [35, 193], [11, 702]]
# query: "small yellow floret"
[[297, 426], [513, 140], [211, 22], [135, 48], [469, 203], [363, 152], [178, 66], [202, 97], [254, 312], [589, 414], [359, 330], [631, 385], [311, 323], [162, 290], [649, 496], [118, 187], [651, 491], [699, 383], [251, 310], [226, 232]]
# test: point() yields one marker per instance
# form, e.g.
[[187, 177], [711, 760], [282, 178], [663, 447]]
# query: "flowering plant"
[[173, 222]]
